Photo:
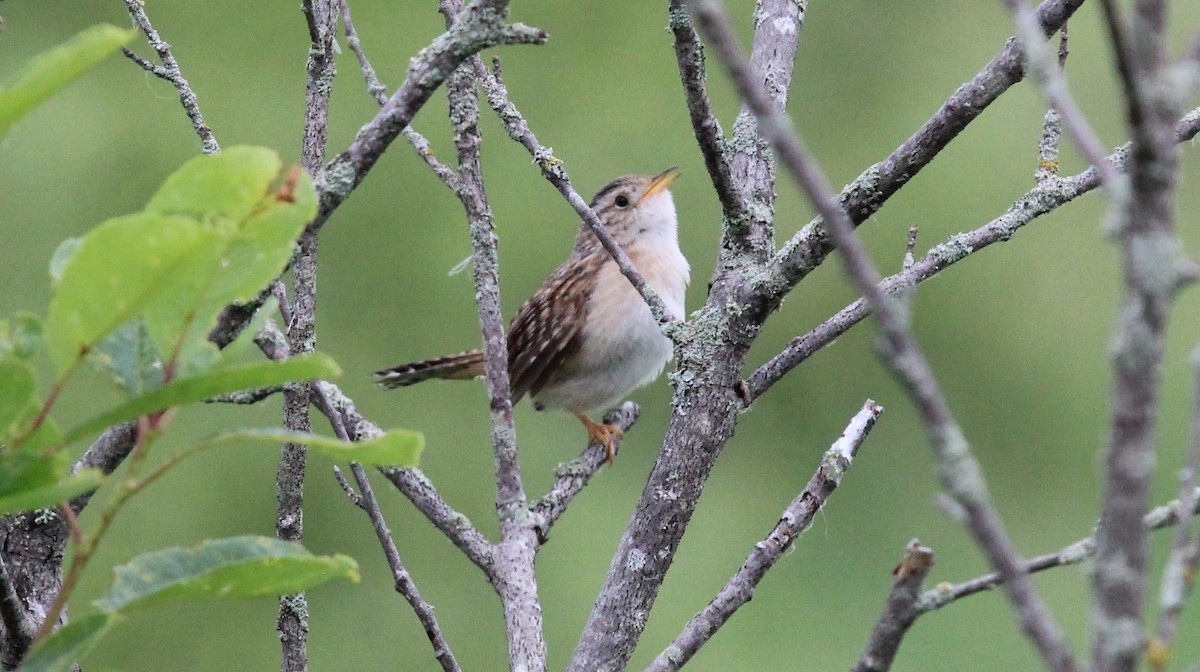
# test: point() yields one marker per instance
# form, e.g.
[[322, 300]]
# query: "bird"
[[587, 338]]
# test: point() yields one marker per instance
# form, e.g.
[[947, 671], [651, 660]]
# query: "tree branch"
[[571, 477], [960, 472], [1155, 268], [869, 191], [403, 581], [1047, 196], [514, 577], [378, 91], [169, 70], [492, 83], [1162, 517], [410, 482], [689, 52], [1049, 79], [793, 522], [900, 610], [1179, 576], [479, 26], [292, 625]]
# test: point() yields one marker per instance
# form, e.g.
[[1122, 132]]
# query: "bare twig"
[[1048, 144], [711, 348], [1045, 197], [1179, 576], [900, 611], [796, 518], [689, 53], [169, 70], [514, 578], [552, 169], [379, 92], [960, 472], [1162, 517], [480, 25], [321, 17], [410, 482], [571, 477], [1155, 268], [1049, 78], [403, 581], [869, 191]]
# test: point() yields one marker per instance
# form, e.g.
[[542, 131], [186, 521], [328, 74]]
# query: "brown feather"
[[461, 366], [547, 330]]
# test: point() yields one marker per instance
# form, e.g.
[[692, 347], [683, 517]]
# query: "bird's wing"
[[547, 330]]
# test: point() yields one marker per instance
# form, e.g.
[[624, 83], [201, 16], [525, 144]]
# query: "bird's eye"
[[621, 200]]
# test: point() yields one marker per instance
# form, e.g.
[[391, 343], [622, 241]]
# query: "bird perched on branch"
[[587, 338]]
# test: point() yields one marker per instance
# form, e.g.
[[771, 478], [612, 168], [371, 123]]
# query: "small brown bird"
[[587, 338]]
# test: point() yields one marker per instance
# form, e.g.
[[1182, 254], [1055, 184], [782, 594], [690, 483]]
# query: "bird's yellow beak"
[[660, 182]]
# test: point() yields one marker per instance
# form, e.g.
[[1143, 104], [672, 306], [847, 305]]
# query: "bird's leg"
[[603, 433]]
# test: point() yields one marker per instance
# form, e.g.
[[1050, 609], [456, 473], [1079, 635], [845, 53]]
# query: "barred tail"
[[462, 366]]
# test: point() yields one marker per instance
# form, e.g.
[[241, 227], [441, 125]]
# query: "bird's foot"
[[603, 433]]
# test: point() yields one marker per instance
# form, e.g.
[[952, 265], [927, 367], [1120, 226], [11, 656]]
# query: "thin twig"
[[1054, 86], [378, 91], [1161, 517], [410, 482], [1051, 139], [689, 53], [353, 496], [403, 581], [960, 472], [900, 611], [492, 83], [864, 196], [793, 522], [321, 17], [571, 477], [482, 25], [1043, 198], [1179, 576], [169, 70]]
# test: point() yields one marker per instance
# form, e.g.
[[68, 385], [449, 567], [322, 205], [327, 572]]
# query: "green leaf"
[[397, 447], [49, 495], [68, 644], [210, 384], [52, 70], [120, 267], [236, 567], [18, 403], [229, 185]]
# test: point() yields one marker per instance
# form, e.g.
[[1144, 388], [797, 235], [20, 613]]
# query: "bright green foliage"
[[214, 234], [69, 644], [51, 71], [18, 404], [31, 477], [56, 490], [236, 567], [212, 383], [398, 447]]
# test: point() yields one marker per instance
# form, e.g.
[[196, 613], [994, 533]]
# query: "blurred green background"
[[1018, 334]]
